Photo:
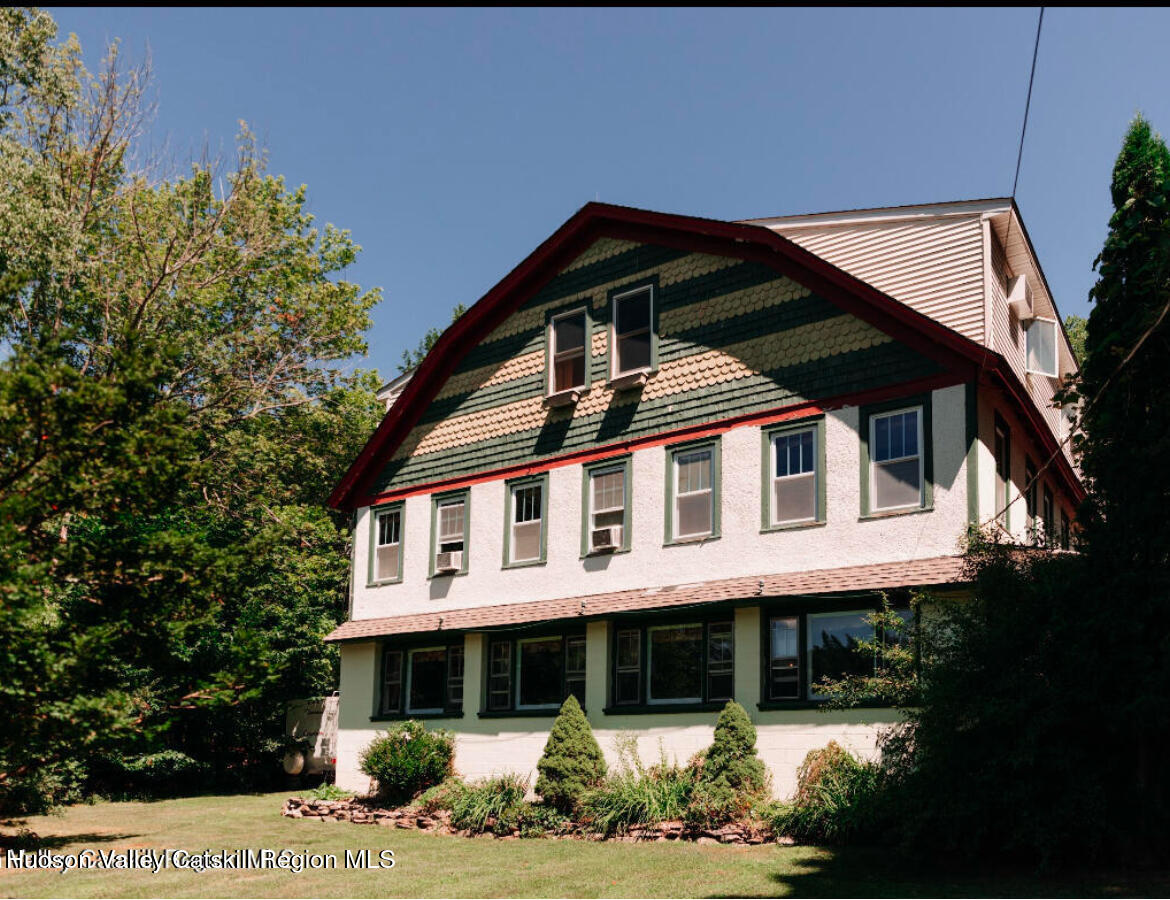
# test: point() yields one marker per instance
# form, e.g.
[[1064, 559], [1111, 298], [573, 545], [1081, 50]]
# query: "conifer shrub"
[[572, 762], [408, 759], [732, 778]]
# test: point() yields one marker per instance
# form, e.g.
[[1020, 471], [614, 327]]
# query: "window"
[[449, 534], [525, 536], [1003, 471], [783, 658], [793, 462], [674, 664], [692, 511], [1065, 538], [535, 673], [832, 646], [421, 681], [633, 334], [1030, 495], [386, 564], [605, 505], [1049, 519], [1041, 347], [568, 335], [895, 459]]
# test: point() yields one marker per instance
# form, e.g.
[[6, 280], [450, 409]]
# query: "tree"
[[572, 762], [175, 400], [411, 358], [1075, 327]]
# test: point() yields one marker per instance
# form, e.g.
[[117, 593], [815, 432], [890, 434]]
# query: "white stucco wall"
[[741, 550]]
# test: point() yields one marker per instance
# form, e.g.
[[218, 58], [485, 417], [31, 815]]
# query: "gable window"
[[793, 467], [1031, 489], [1041, 347], [535, 673], [1003, 471], [569, 352], [386, 561], [633, 334], [524, 541], [896, 465], [674, 664], [605, 504], [692, 511], [449, 535], [421, 680], [1049, 519]]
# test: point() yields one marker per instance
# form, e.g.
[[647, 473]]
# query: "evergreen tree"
[[732, 758], [572, 762]]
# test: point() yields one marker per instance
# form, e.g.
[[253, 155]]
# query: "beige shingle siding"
[[934, 265]]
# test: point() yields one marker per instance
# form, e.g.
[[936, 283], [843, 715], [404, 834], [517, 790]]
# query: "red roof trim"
[[594, 220]]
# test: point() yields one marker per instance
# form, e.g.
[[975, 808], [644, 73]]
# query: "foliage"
[[328, 792], [442, 796], [166, 773], [634, 794], [537, 820], [1076, 327], [836, 800], [408, 759], [175, 400], [493, 804], [898, 647], [411, 358], [731, 777], [572, 763]]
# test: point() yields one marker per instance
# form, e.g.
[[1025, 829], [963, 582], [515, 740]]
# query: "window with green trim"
[[1049, 538], [1031, 492], [1003, 471], [386, 544], [896, 456], [605, 507], [692, 481], [794, 464], [424, 680], [449, 534], [672, 663], [536, 672], [526, 528]]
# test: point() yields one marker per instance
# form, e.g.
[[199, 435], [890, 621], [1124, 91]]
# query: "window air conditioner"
[[449, 561], [606, 539], [1019, 297]]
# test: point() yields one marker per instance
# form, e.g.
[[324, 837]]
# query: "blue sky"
[[452, 142]]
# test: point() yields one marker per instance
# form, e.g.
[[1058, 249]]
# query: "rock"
[[703, 839], [293, 813], [785, 840]]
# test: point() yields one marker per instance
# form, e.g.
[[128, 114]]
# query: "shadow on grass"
[[872, 872], [30, 840]]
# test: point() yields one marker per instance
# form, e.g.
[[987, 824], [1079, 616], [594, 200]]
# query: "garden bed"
[[366, 812]]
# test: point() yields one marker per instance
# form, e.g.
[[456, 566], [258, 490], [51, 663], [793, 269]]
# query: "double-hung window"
[[1031, 492], [783, 675], [421, 680], [1003, 471], [1065, 537], [792, 471], [896, 458], [692, 511], [606, 505], [386, 561], [1049, 519], [633, 331], [535, 673], [449, 534], [673, 663], [569, 351], [526, 530]]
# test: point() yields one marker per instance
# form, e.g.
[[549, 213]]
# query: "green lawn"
[[438, 865]]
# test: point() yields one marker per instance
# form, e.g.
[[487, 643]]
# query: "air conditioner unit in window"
[[448, 561], [1019, 297], [605, 539]]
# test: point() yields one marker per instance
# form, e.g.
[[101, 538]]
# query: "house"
[[668, 461]]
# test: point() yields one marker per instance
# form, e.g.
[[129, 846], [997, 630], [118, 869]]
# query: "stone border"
[[364, 812]]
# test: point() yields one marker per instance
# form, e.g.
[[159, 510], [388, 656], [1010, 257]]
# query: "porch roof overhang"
[[936, 571]]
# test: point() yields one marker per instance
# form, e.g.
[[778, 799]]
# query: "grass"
[[436, 865]]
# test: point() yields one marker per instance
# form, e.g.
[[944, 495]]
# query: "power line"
[[1028, 102]]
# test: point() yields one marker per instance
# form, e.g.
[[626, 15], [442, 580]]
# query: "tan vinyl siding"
[[935, 266]]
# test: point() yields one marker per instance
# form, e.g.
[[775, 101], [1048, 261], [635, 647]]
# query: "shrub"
[[328, 792], [408, 759], [836, 798], [572, 762], [168, 773], [537, 819], [492, 803], [442, 796], [732, 778], [637, 795]]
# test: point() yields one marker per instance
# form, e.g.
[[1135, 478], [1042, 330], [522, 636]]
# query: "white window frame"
[[407, 681], [553, 352], [873, 463], [513, 524], [378, 545], [703, 649], [439, 542], [614, 371], [773, 439], [594, 512], [519, 670], [709, 490], [1055, 331]]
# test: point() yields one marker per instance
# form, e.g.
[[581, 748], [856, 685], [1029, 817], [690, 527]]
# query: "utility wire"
[[1028, 103]]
